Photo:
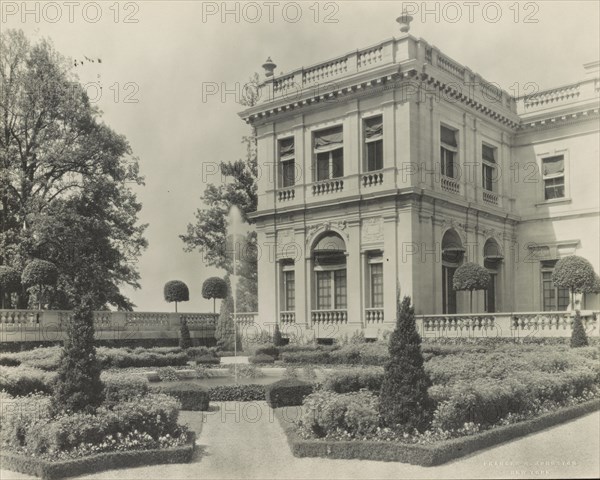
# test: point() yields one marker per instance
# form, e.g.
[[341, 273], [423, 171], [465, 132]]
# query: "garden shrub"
[[185, 341], [578, 336], [245, 371], [348, 415], [123, 387], [271, 350], [404, 401], [192, 396], [278, 340], [24, 380], [167, 374], [261, 358], [154, 414], [195, 352], [287, 392], [9, 362], [306, 357], [353, 380], [237, 393], [207, 360]]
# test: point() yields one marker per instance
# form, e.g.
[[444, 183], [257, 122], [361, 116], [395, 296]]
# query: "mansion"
[[384, 169]]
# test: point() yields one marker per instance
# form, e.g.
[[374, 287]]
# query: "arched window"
[[452, 256], [329, 267], [492, 261]]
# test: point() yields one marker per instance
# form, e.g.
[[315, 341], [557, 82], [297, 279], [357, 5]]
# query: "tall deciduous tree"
[[10, 282], [65, 178], [208, 233]]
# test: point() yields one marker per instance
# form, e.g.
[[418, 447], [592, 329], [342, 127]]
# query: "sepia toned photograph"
[[299, 240]]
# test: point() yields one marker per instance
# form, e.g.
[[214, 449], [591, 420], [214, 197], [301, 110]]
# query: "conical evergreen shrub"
[[277, 338], [578, 335], [185, 340], [404, 402], [78, 387]]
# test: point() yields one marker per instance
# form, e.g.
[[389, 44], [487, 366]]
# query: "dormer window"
[[329, 153]]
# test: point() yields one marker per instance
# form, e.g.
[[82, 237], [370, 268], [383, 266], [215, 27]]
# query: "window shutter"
[[327, 140], [448, 136]]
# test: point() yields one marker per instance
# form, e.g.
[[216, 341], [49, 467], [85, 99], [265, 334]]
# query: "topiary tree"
[[578, 335], [176, 291], [225, 332], [214, 287], [277, 338], [404, 402], [185, 340], [38, 277], [574, 273], [78, 387], [10, 282], [471, 276]]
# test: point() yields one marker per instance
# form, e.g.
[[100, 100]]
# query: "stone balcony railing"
[[287, 317], [373, 316], [490, 197], [514, 324], [451, 185], [365, 67], [329, 316], [50, 325]]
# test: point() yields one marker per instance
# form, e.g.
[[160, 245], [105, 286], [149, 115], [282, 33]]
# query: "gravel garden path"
[[244, 441]]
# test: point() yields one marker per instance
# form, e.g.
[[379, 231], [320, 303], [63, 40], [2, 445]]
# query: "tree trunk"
[[175, 307], [471, 301], [214, 304]]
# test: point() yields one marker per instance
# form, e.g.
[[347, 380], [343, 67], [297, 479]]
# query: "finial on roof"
[[404, 21], [269, 67]]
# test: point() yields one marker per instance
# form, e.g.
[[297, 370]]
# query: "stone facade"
[[437, 167]]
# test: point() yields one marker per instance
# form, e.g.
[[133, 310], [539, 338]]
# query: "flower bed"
[[99, 462], [425, 454]]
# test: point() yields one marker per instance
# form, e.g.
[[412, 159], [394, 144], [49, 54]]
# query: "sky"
[[170, 71]]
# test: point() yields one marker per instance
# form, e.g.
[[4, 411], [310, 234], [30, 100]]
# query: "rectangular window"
[[289, 286], [448, 151], [340, 289], [329, 153], [323, 290], [373, 128], [488, 157], [553, 174], [376, 285], [553, 298], [287, 162]]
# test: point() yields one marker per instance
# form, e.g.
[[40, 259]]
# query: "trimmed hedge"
[[424, 455], [207, 360], [23, 380], [287, 393], [352, 380], [271, 350], [192, 396], [96, 463], [237, 393], [9, 362], [261, 358]]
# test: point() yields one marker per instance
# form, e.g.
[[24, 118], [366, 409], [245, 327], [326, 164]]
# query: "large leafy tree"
[[65, 179], [208, 234], [577, 274]]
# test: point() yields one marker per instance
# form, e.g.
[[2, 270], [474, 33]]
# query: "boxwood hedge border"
[[427, 455], [96, 463]]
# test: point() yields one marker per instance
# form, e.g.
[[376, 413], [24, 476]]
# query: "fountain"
[[235, 229]]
